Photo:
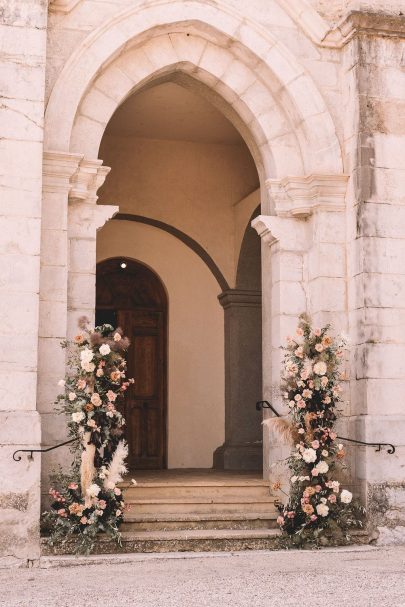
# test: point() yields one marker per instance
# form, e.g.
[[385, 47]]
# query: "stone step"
[[166, 522], [198, 505], [194, 540], [214, 491]]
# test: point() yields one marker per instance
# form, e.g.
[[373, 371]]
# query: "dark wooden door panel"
[[144, 322]]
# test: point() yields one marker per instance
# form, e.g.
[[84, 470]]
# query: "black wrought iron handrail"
[[265, 404], [17, 458]]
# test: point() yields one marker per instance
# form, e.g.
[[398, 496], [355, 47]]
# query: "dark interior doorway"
[[131, 296]]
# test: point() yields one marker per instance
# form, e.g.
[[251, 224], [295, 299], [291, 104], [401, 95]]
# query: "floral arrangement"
[[87, 501], [318, 511]]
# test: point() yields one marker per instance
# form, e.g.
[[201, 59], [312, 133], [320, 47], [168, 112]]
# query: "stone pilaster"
[[242, 449]]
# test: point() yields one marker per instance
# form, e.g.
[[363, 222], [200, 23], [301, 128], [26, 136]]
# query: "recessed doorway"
[[132, 296]]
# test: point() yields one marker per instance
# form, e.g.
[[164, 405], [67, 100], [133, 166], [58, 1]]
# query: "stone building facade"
[[211, 115]]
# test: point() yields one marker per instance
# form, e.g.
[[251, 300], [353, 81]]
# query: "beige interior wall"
[[192, 186], [196, 338]]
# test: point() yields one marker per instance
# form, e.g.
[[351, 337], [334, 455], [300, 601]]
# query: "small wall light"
[[123, 264]]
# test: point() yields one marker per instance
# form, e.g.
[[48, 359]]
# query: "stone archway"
[[248, 74]]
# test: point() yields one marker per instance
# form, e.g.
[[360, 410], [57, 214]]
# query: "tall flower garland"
[[87, 500], [318, 508]]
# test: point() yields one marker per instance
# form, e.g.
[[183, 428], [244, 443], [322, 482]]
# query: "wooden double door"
[[133, 298]]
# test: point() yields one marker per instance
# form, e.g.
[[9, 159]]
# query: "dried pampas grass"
[[282, 429], [116, 467]]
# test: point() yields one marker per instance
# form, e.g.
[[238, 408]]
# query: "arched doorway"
[[131, 296]]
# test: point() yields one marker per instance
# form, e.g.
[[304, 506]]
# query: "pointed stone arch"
[[240, 61]]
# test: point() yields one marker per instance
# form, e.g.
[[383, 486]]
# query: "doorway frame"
[[165, 349]]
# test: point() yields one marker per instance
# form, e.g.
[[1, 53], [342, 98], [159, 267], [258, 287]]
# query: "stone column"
[[242, 449], [284, 244], [85, 217], [303, 270], [71, 218]]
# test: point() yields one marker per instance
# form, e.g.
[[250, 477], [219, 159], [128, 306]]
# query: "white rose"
[[104, 349], [346, 497], [322, 510], [309, 455], [86, 355], [320, 368], [78, 416], [335, 486], [61, 382], [88, 367], [322, 467], [72, 396], [93, 490], [325, 453], [294, 479]]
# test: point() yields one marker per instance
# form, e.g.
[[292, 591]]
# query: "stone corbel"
[[292, 234], [301, 196]]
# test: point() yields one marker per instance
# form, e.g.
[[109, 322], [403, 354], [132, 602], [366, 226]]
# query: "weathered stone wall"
[[375, 151], [22, 79]]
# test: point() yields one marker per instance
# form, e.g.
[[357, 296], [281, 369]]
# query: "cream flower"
[[322, 467], [78, 416], [88, 367], [320, 368], [117, 337], [319, 347], [95, 399], [346, 497], [322, 510], [309, 455], [104, 349], [72, 396], [93, 490], [61, 382], [86, 355]]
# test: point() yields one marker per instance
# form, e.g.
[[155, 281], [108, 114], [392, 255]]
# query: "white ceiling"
[[169, 111]]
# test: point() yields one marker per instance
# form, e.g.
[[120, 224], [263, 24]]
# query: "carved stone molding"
[[58, 170], [301, 196], [62, 6], [292, 234], [89, 177], [73, 174]]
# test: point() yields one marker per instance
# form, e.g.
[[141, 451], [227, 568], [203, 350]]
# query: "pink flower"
[[301, 404], [311, 384], [299, 332], [280, 520], [118, 513], [307, 393], [313, 517], [332, 498], [111, 396], [299, 352], [83, 520], [290, 514], [117, 491], [102, 504], [81, 384], [99, 373], [91, 423], [318, 488], [332, 435], [72, 486], [315, 444], [317, 332]]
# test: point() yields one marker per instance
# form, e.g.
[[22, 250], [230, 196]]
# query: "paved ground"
[[342, 577]]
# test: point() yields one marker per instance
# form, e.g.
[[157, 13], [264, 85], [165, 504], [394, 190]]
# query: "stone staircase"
[[192, 511], [198, 511]]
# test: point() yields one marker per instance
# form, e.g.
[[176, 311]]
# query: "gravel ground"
[[372, 577]]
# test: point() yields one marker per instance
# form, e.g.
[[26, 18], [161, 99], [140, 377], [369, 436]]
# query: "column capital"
[[240, 297], [292, 234], [58, 169], [88, 178], [303, 195]]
